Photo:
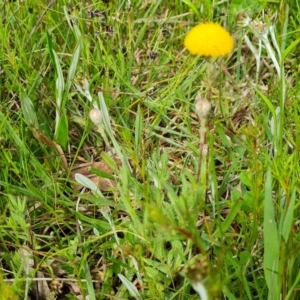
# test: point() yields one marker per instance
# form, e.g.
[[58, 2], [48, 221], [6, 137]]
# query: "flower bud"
[[96, 116], [202, 107]]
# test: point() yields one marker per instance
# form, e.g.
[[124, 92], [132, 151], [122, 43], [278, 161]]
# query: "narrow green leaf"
[[229, 219], [138, 129], [271, 242], [109, 130], [274, 119], [269, 104], [192, 7], [287, 51], [73, 26], [73, 66], [58, 70], [289, 217], [284, 33], [228, 294], [89, 281], [50, 47], [60, 84], [101, 173], [40, 170], [102, 226]]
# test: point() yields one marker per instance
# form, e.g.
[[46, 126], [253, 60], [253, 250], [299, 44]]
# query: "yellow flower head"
[[209, 39]]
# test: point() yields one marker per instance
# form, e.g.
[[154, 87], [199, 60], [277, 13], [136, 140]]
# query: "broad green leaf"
[[28, 111], [62, 133], [130, 287], [88, 183], [244, 177]]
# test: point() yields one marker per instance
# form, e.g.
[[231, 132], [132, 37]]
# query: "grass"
[[118, 211]]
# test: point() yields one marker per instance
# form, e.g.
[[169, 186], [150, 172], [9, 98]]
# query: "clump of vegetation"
[[132, 169]]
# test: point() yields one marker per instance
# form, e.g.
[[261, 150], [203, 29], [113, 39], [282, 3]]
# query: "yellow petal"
[[209, 39]]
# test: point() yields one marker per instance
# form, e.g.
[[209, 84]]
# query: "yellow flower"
[[209, 39]]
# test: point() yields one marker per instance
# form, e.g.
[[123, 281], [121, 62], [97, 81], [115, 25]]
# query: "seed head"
[[96, 116], [202, 107]]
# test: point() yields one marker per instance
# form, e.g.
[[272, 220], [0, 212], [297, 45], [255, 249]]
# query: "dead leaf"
[[102, 183], [40, 288]]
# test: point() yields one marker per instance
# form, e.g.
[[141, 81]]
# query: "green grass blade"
[[73, 66], [192, 7], [289, 218], [290, 48], [138, 129], [60, 86], [62, 133], [224, 226], [89, 281], [109, 130], [23, 151], [271, 242]]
